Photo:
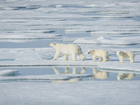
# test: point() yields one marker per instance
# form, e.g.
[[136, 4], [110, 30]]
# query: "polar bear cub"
[[126, 54], [66, 50], [99, 54]]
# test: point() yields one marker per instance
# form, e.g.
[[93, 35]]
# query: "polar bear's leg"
[[100, 59], [66, 57], [94, 58], [82, 56], [74, 70], [83, 70], [104, 59], [56, 56], [56, 70], [121, 59], [74, 57], [108, 58], [131, 60], [66, 70]]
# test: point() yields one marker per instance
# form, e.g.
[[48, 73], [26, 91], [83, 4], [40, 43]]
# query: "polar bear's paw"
[[53, 59]]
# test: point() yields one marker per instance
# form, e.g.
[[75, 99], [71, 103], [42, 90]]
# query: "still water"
[[75, 74]]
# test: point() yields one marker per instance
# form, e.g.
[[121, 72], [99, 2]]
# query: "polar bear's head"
[[52, 44], [90, 51], [119, 53]]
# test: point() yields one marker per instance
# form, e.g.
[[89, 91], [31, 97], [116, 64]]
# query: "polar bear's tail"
[[80, 51]]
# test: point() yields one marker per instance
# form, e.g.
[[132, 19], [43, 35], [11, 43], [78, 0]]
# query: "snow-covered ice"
[[115, 33], [45, 77], [107, 24], [84, 93], [130, 40], [28, 36], [8, 72], [26, 54]]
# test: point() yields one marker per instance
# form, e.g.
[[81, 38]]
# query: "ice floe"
[[109, 40], [70, 93], [115, 33], [34, 77], [28, 36], [24, 54], [119, 66], [8, 72], [45, 77], [113, 65]]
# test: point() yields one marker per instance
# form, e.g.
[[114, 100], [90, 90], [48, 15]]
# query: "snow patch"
[[109, 40]]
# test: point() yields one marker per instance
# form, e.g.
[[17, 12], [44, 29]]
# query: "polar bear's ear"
[[92, 51]]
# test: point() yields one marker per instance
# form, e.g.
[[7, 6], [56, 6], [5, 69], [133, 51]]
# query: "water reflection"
[[122, 76], [67, 72], [99, 74]]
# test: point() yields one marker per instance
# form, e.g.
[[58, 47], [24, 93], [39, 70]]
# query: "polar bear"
[[126, 54], [66, 50], [99, 74], [122, 76], [99, 54]]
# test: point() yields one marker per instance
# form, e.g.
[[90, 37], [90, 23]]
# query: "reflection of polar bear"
[[67, 72], [125, 76], [66, 50], [126, 54], [99, 74], [99, 54]]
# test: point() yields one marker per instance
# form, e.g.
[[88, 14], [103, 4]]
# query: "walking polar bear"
[[66, 50], [99, 54], [126, 54]]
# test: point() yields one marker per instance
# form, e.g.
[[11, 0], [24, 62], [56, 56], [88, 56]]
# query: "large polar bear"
[[126, 54], [66, 50], [99, 54]]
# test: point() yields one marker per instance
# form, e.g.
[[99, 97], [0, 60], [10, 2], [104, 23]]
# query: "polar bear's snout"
[[52, 44], [90, 52]]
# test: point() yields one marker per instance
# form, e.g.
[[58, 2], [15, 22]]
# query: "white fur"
[[99, 74], [99, 54], [126, 54], [66, 50], [122, 76]]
